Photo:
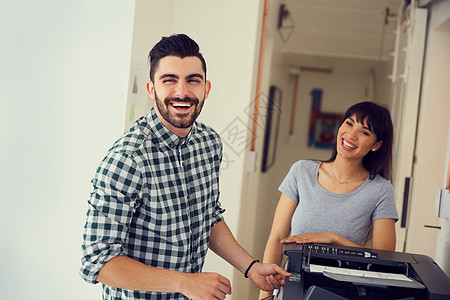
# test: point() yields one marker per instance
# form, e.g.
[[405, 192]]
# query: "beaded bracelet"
[[249, 266]]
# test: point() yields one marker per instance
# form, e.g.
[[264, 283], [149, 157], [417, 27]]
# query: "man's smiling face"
[[179, 91]]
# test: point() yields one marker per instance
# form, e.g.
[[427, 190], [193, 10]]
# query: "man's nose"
[[181, 90]]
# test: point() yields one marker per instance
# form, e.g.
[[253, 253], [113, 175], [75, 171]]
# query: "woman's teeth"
[[347, 145]]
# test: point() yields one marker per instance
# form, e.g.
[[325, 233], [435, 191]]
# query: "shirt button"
[[187, 197], [192, 260], [172, 145], [184, 163]]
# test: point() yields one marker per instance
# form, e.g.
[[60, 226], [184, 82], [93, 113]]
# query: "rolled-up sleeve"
[[117, 187], [218, 214], [218, 157]]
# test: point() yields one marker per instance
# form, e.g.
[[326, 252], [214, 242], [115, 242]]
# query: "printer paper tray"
[[358, 280]]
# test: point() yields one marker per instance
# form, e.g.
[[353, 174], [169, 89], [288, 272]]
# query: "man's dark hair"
[[179, 45]]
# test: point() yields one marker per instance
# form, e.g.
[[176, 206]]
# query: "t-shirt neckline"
[[355, 191]]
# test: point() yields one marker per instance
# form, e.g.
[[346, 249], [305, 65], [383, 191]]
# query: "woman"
[[341, 200]]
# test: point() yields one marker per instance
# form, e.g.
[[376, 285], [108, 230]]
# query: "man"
[[154, 209]]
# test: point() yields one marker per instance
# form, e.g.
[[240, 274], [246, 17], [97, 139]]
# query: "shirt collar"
[[165, 135]]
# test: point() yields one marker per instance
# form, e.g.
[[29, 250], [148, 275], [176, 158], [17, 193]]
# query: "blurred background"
[[72, 80]]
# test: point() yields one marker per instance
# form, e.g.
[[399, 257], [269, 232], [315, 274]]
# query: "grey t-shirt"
[[349, 215]]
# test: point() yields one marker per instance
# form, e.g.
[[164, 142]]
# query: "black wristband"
[[249, 266]]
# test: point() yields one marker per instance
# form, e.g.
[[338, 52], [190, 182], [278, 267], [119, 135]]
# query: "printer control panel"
[[327, 249]]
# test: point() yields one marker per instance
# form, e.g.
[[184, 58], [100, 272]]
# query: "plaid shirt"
[[155, 199]]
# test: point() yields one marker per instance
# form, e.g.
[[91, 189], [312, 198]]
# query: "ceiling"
[[348, 29]]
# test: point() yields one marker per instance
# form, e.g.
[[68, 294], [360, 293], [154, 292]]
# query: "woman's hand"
[[314, 237]]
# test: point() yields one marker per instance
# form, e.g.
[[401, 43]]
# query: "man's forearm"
[[223, 243], [127, 273]]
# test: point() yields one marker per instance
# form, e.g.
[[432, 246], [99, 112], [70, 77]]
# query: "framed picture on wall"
[[324, 130], [323, 126], [271, 129]]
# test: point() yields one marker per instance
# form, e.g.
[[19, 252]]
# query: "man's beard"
[[179, 120]]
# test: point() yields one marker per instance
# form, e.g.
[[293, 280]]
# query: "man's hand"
[[205, 286], [267, 277]]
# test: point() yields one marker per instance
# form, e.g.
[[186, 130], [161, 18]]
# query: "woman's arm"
[[319, 238], [383, 236], [281, 227]]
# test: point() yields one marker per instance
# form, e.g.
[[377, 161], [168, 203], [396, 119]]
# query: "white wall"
[[63, 83], [441, 47], [432, 132], [152, 20]]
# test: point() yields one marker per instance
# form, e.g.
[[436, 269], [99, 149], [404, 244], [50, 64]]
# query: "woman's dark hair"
[[179, 45], [379, 121]]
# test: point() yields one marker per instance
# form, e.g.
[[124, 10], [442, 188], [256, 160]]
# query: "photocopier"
[[329, 272]]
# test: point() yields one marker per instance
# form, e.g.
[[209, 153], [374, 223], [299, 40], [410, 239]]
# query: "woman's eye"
[[349, 123], [365, 133]]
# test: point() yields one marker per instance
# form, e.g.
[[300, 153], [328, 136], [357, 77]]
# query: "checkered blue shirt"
[[155, 199]]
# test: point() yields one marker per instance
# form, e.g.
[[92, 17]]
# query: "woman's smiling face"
[[355, 139]]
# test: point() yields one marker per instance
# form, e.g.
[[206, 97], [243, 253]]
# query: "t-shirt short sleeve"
[[290, 186], [385, 207]]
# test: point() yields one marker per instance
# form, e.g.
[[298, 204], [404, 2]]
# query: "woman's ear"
[[376, 146]]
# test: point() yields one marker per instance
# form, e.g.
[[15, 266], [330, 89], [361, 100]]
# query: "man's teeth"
[[181, 104], [348, 145]]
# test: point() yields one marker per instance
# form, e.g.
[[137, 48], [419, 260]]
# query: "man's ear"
[[377, 146], [151, 89], [207, 88]]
